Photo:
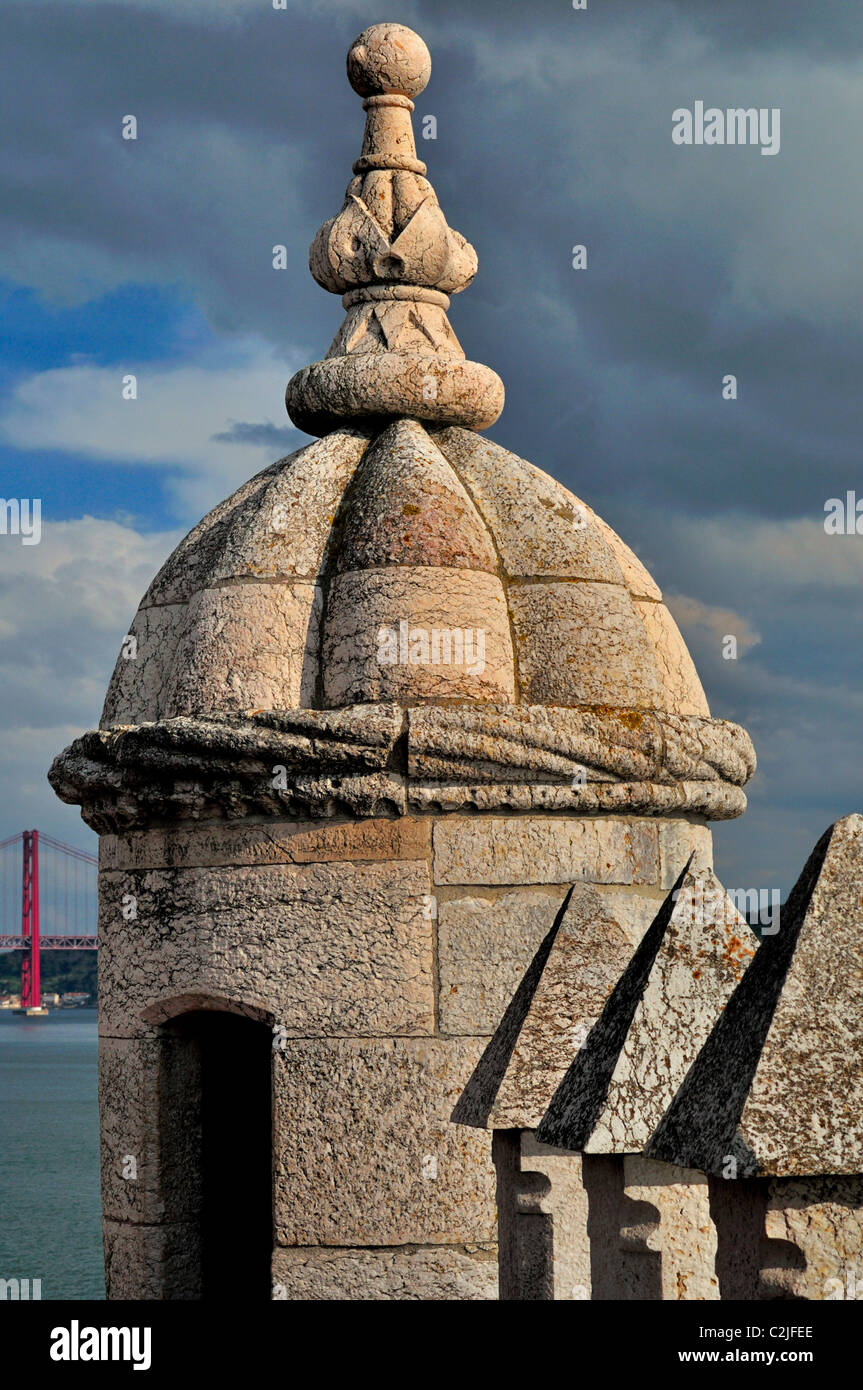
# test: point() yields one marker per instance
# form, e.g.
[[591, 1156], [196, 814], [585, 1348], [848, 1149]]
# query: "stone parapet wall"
[[601, 1227], [384, 951]]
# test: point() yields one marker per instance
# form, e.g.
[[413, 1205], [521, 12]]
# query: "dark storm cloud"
[[553, 129], [249, 433], [822, 30]]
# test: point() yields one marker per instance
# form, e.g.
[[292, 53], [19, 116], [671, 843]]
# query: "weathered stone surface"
[[338, 948], [544, 1211], [373, 387], [340, 1182], [285, 532], [275, 525], [152, 1262], [539, 527], [560, 998], [582, 644], [485, 944], [379, 636], [391, 255], [661, 1011], [553, 745], [425, 1273], [776, 1087], [188, 567], [406, 506], [484, 947], [684, 693], [492, 743], [585, 761], [602, 1228], [140, 1079], [536, 849], [248, 646], [633, 908], [715, 800], [822, 1219], [267, 842], [382, 313], [683, 1237], [636, 578], [332, 764], [388, 58], [143, 678], [680, 840], [264, 762]]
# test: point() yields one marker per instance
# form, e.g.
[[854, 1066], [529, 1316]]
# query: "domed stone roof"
[[279, 598], [402, 558], [401, 615]]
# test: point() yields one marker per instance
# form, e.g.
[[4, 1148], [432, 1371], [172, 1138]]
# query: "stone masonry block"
[[141, 1079], [365, 1151], [545, 849], [417, 1273], [485, 945], [325, 949], [582, 644], [213, 844], [365, 657]]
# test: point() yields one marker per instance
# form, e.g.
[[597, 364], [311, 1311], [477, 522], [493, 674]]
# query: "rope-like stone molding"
[[380, 759]]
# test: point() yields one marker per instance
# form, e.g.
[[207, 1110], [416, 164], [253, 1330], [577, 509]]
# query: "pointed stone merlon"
[[394, 260], [560, 998], [777, 1088], [598, 1038], [637, 1055]]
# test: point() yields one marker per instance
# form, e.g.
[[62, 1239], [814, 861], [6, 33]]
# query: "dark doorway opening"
[[217, 1154]]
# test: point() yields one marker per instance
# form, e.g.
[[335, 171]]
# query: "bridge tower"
[[31, 992]]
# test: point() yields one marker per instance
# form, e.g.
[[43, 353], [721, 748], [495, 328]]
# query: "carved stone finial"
[[395, 261]]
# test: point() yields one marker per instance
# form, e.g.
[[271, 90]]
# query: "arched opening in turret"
[[216, 1147]]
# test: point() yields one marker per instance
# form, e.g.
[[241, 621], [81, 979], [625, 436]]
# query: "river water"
[[49, 1153]]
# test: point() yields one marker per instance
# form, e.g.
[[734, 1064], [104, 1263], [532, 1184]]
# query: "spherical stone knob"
[[388, 59]]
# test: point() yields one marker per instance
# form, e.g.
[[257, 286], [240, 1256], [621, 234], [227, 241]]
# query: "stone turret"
[[374, 716]]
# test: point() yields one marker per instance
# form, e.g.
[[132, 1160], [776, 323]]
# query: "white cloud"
[[770, 557], [718, 622], [178, 411], [65, 605], [748, 563]]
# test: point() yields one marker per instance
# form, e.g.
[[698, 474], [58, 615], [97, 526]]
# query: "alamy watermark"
[[844, 515], [21, 516], [736, 125], [437, 646], [849, 1288], [77, 1343], [760, 906], [20, 1289]]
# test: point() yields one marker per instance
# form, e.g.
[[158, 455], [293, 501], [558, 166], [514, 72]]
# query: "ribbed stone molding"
[[372, 760], [394, 260]]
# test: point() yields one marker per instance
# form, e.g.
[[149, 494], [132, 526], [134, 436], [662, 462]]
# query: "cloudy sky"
[[154, 257]]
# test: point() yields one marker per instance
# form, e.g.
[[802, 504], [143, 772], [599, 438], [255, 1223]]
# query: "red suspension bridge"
[[46, 906]]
